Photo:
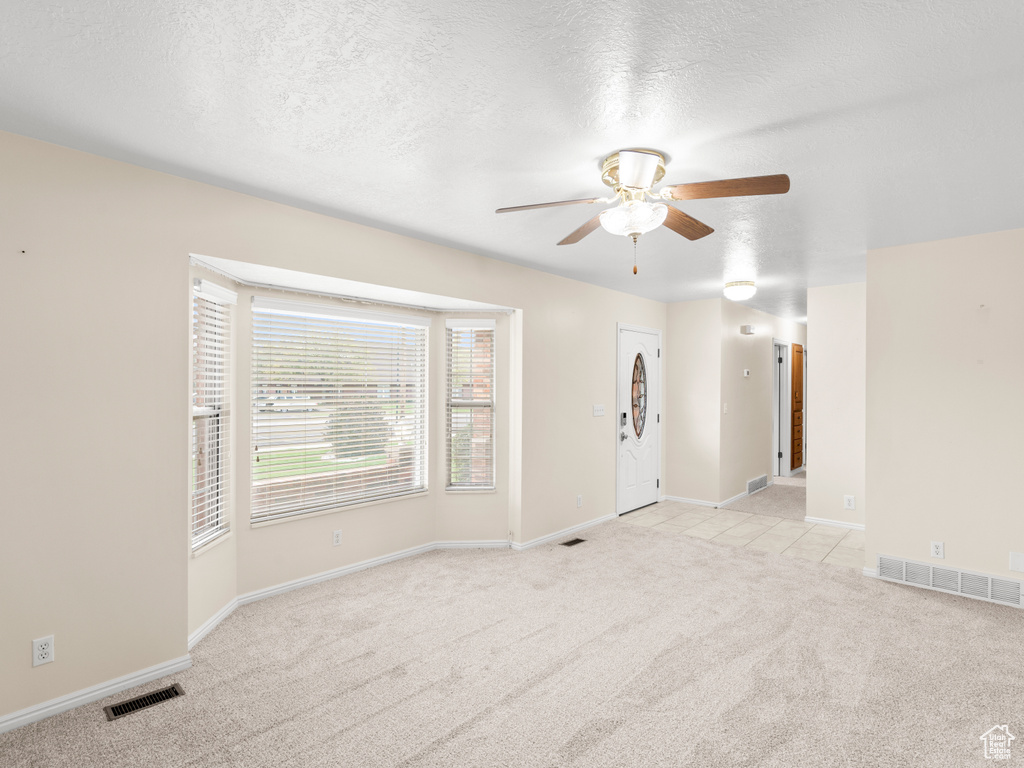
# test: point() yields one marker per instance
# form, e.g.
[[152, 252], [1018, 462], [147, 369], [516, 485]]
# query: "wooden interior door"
[[796, 451]]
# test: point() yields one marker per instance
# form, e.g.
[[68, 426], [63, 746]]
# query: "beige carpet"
[[637, 648], [785, 501], [799, 478]]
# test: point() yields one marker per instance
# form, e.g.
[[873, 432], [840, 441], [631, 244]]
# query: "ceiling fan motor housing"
[[617, 167]]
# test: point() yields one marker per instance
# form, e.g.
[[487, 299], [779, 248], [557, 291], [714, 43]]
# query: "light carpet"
[[798, 479], [786, 501], [636, 648]]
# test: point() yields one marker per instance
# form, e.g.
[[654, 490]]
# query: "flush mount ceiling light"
[[740, 290]]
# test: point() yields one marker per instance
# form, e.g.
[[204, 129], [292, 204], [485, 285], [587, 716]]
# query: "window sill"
[[336, 510], [206, 547], [457, 490]]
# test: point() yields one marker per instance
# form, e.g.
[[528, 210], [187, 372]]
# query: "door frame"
[[619, 328], [803, 403], [782, 409], [804, 452], [779, 419]]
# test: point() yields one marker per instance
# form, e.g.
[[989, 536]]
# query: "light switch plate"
[[599, 410]]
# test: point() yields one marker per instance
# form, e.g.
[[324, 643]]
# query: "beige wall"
[[693, 376], [712, 454], [99, 302], [835, 420], [212, 578], [94, 455], [746, 449], [944, 408]]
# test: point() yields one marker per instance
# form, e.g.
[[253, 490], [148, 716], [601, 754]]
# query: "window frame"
[[211, 433], [451, 403], [405, 327]]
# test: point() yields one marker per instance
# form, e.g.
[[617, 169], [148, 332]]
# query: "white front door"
[[638, 417]]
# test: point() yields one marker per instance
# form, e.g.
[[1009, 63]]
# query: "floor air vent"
[[143, 702], [757, 483], [572, 542], [967, 583]]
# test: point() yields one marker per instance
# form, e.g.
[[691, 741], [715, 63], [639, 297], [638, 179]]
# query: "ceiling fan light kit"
[[632, 173], [634, 218], [739, 290]]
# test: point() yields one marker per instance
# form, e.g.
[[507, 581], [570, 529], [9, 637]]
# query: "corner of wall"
[[836, 401]]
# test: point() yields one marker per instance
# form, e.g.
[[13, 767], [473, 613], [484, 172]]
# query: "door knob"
[[622, 436]]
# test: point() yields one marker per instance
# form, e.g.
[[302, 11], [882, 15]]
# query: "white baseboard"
[[208, 625], [871, 572], [698, 502], [494, 544], [94, 693], [737, 497], [316, 578], [288, 586], [702, 503], [560, 534], [834, 523]]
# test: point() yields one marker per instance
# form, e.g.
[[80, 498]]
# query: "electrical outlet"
[[579, 501], [337, 538], [42, 650], [849, 502], [1017, 561], [938, 549]]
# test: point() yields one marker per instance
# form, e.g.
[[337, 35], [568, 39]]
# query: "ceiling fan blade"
[[637, 169], [751, 185], [684, 225], [582, 232], [548, 205]]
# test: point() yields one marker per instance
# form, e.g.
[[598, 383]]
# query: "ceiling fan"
[[631, 173]]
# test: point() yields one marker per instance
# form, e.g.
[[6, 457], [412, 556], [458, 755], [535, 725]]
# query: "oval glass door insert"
[[639, 396]]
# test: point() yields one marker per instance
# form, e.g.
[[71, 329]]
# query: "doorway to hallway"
[[789, 450]]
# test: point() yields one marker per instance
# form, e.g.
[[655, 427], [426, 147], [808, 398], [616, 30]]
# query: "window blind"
[[211, 395], [339, 407], [470, 404]]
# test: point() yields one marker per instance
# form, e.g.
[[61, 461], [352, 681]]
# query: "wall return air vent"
[[757, 484], [980, 586]]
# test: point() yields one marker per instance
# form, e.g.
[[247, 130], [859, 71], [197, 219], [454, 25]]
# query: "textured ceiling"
[[897, 122]]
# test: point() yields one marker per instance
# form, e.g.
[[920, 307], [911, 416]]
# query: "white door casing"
[[780, 408], [638, 419]]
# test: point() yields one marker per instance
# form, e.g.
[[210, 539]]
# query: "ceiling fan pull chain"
[[634, 253]]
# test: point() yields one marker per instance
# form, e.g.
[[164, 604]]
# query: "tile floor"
[[789, 538]]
